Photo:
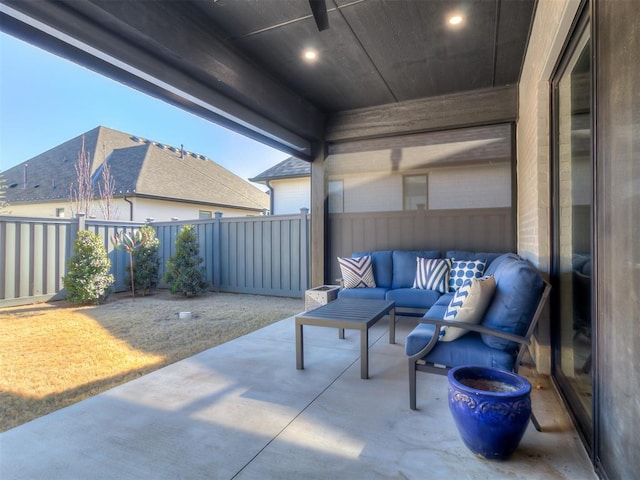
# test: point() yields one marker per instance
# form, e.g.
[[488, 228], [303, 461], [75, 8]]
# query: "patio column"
[[318, 215]]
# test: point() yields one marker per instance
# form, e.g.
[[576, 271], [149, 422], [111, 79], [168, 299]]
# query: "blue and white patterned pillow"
[[463, 270], [468, 305], [357, 272], [432, 274]]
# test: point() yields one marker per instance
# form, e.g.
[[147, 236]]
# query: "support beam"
[[480, 107], [135, 43], [319, 214]]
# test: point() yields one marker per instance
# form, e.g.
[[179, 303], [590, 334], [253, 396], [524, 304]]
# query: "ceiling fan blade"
[[319, 11]]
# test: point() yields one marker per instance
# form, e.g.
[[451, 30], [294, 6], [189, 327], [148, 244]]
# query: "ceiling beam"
[[479, 107]]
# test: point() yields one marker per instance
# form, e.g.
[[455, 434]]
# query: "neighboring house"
[[468, 168], [289, 184], [152, 180]]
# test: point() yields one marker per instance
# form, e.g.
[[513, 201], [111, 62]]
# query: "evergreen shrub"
[[184, 272], [88, 279]]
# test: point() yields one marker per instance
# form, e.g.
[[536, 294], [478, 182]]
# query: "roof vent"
[[202, 157], [135, 139], [37, 185], [13, 185]]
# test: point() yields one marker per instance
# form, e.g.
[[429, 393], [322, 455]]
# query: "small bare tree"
[[3, 190], [106, 189], [81, 191]]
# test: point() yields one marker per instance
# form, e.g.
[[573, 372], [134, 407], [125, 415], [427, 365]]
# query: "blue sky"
[[46, 100]]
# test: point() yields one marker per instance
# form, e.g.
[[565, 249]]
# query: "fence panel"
[[258, 255], [33, 257]]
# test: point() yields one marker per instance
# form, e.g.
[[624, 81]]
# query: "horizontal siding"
[[489, 230]]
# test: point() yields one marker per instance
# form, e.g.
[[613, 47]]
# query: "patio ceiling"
[[239, 62]]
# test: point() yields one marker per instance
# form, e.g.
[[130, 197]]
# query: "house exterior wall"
[[161, 210], [486, 186], [290, 195], [143, 208], [49, 210], [551, 27]]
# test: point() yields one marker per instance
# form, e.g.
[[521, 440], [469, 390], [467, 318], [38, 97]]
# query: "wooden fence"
[[257, 255]]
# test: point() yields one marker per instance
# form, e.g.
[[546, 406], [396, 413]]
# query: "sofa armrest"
[[476, 328]]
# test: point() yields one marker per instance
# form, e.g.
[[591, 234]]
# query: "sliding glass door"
[[572, 221]]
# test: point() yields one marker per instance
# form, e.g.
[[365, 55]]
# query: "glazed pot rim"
[[520, 384]]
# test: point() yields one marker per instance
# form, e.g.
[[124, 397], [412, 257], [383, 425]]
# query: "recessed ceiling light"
[[310, 55], [455, 20]]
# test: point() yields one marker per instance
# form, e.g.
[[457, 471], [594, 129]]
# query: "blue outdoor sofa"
[[499, 339]]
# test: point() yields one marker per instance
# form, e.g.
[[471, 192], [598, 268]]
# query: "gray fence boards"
[[33, 257], [258, 255], [488, 230]]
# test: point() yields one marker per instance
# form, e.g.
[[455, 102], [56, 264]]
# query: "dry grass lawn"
[[56, 354]]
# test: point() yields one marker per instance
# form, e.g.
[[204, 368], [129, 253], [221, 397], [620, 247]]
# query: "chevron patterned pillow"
[[432, 274], [357, 272], [468, 305]]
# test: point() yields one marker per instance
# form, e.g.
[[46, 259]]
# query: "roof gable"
[[138, 166], [289, 168]]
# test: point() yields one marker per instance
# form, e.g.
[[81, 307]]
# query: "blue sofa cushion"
[[495, 264], [369, 293], [413, 297], [469, 350], [418, 338], [382, 266], [518, 289], [404, 266]]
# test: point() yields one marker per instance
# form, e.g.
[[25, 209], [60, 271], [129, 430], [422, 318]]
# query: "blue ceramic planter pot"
[[491, 409]]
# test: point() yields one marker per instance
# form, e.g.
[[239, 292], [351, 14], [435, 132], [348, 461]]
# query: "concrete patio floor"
[[242, 411]]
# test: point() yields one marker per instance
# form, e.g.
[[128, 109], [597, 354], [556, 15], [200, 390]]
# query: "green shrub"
[[184, 274], [146, 263], [88, 279]]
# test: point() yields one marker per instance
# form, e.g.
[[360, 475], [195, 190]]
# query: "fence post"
[[304, 250], [81, 221], [216, 252], [80, 225]]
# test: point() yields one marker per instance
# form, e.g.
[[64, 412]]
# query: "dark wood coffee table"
[[346, 313]]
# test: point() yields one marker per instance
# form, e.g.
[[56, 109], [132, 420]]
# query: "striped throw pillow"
[[432, 274], [357, 272]]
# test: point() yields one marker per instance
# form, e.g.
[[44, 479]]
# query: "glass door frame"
[[584, 421]]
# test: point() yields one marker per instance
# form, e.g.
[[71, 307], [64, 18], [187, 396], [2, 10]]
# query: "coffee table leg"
[[299, 347], [364, 353], [392, 325]]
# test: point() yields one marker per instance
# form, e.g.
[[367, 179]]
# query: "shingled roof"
[[288, 168], [140, 167]]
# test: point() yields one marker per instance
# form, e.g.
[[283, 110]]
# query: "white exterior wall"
[[290, 195], [470, 187], [159, 210], [486, 186], [551, 27], [372, 192]]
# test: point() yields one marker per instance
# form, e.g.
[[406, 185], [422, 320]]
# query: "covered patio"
[[242, 410], [559, 76]]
